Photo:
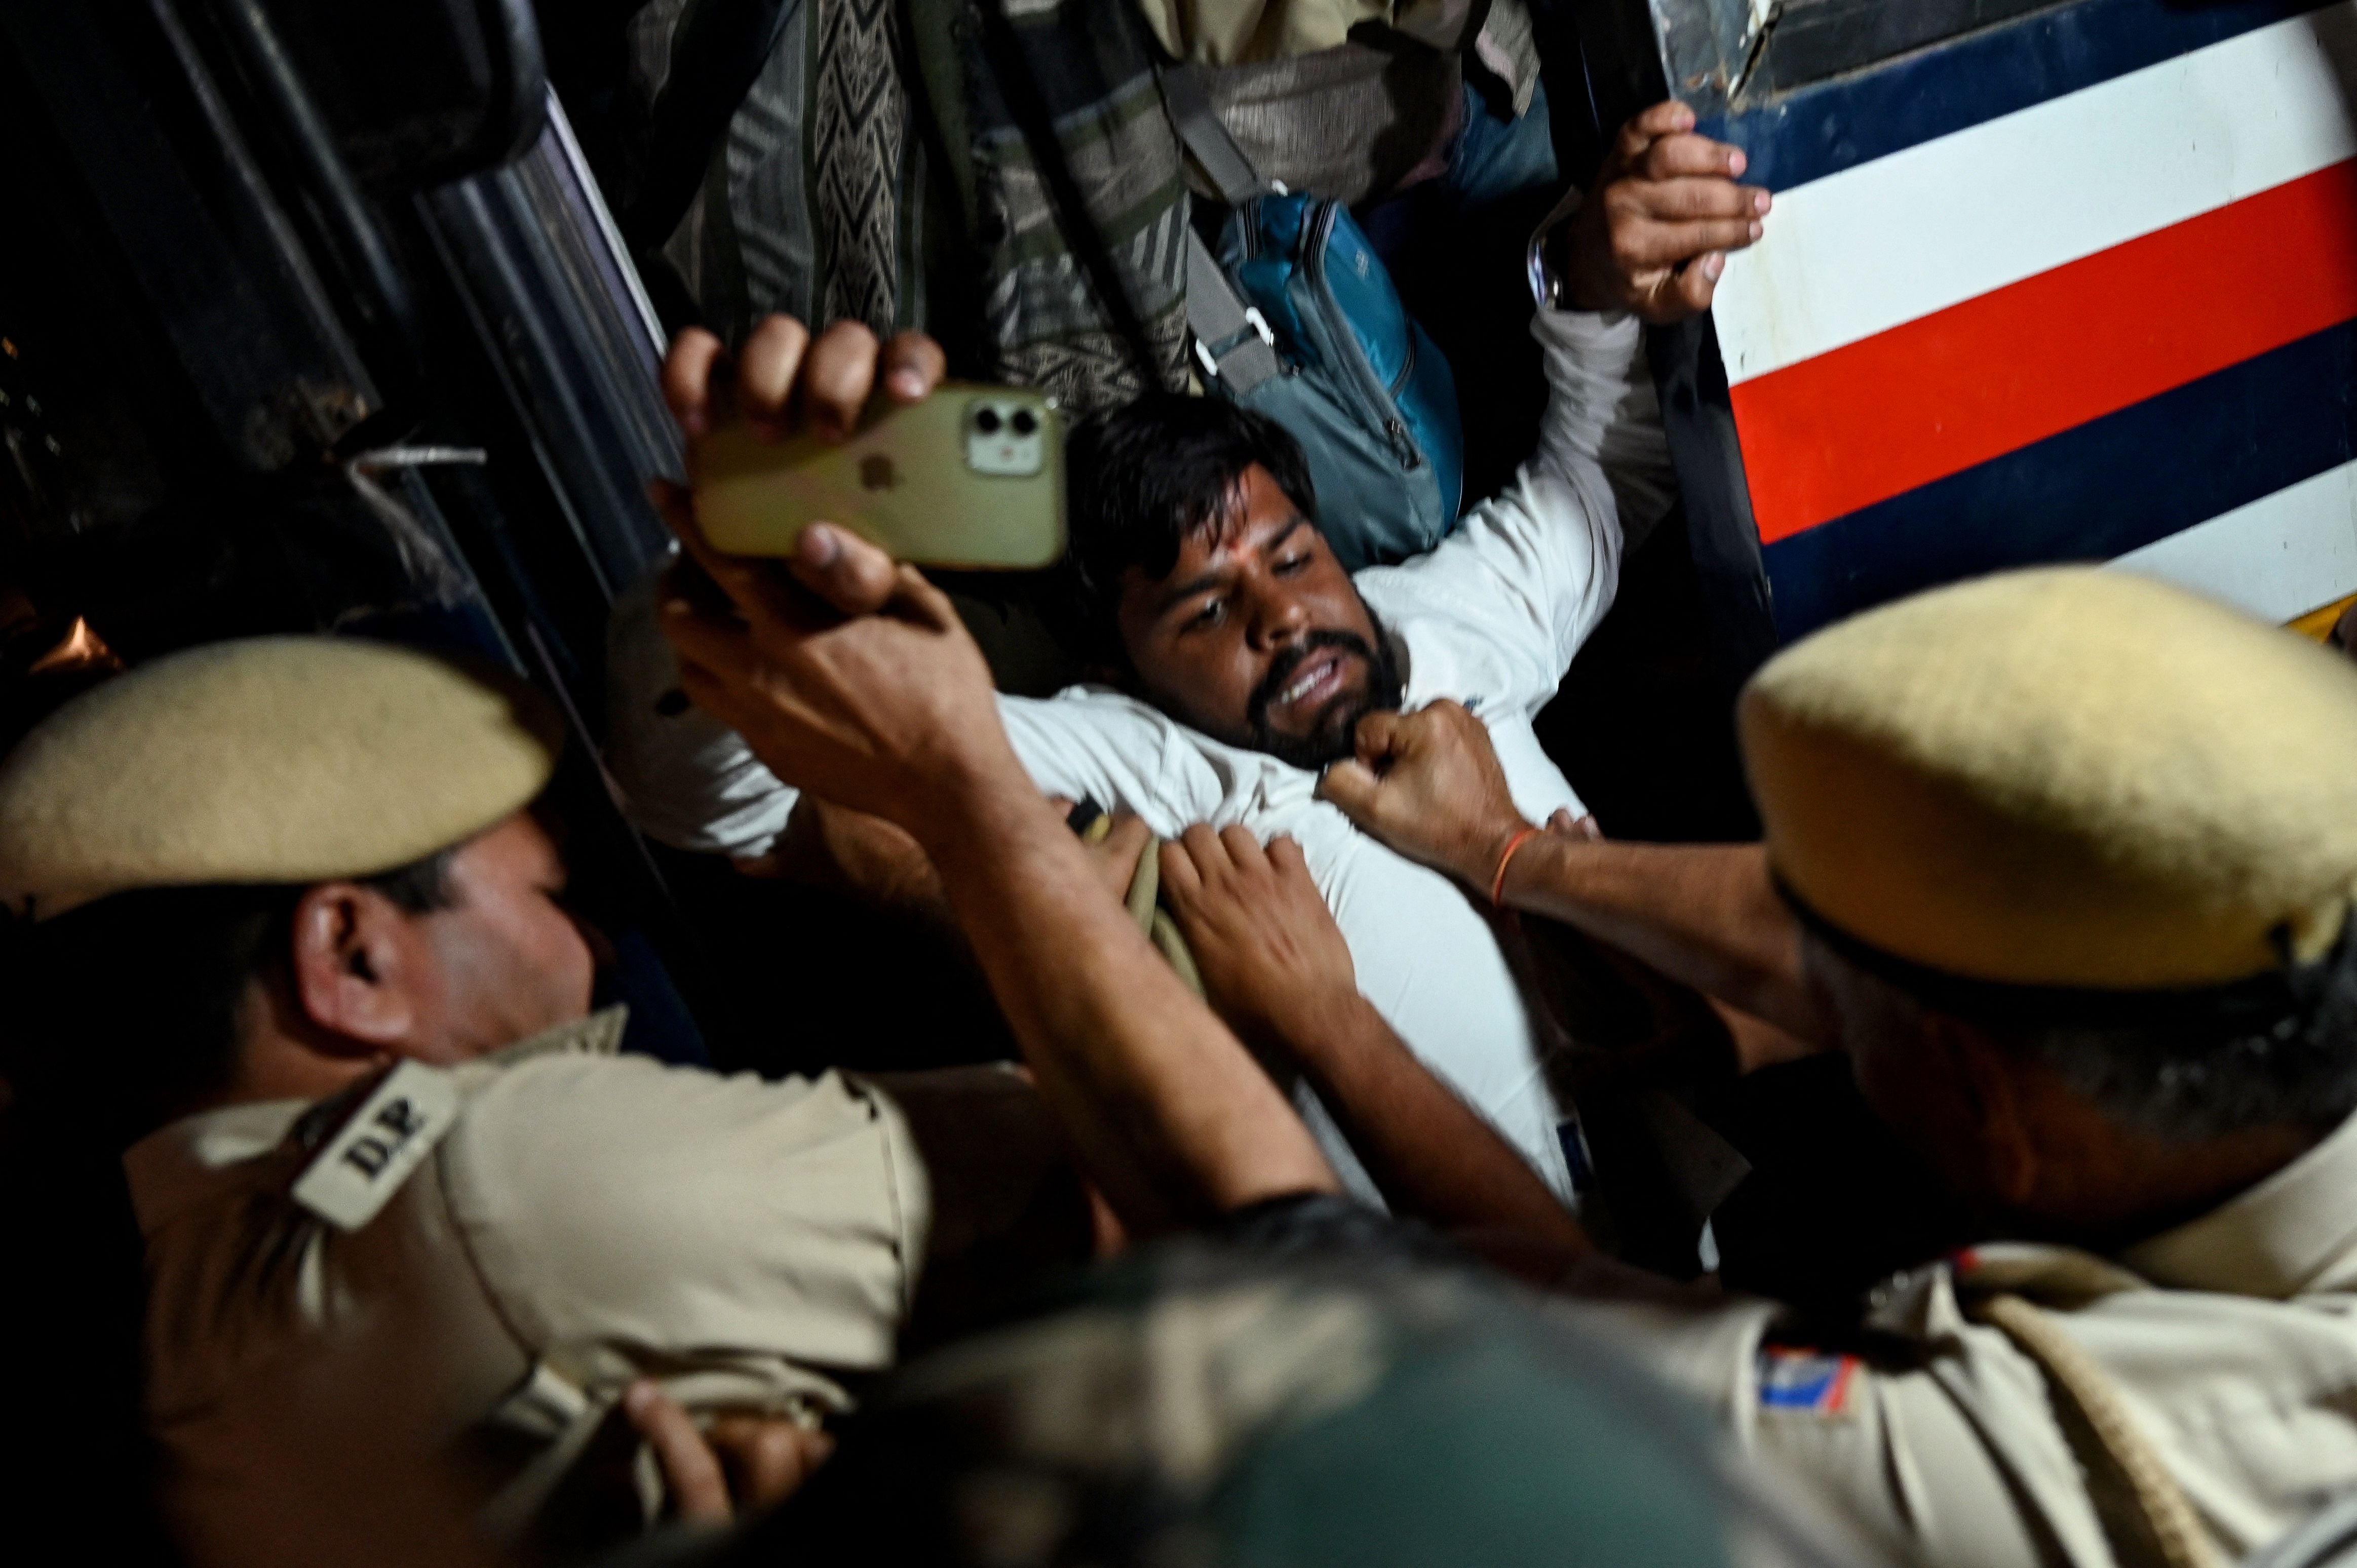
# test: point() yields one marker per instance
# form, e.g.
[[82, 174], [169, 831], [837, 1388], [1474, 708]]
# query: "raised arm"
[[1531, 571], [1646, 242], [686, 778], [690, 782], [1427, 784], [1652, 233], [852, 678]]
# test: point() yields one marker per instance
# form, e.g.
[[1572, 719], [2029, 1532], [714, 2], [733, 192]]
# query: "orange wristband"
[[1497, 883]]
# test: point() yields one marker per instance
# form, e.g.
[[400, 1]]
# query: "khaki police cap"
[[2069, 776], [287, 759]]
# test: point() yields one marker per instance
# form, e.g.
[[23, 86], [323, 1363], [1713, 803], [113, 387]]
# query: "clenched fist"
[[1428, 785]]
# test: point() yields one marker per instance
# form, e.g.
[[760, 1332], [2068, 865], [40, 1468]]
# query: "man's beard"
[[1335, 736]]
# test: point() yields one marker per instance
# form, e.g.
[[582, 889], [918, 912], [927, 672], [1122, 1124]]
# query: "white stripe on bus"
[[2279, 556], [1930, 226]]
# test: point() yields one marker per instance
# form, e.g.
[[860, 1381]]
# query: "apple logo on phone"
[[877, 473]]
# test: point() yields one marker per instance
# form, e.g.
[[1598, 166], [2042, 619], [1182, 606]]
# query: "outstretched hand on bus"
[[1653, 235]]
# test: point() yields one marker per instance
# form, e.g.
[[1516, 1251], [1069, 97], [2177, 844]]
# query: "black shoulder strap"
[[1232, 173], [1004, 52], [1233, 340]]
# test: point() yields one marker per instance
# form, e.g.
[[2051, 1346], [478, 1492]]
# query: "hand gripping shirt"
[[2227, 1344], [1491, 618], [472, 1264]]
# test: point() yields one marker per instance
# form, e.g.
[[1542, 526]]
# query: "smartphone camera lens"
[[1024, 422], [986, 421]]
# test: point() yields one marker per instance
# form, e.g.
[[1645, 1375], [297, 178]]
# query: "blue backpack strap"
[[1233, 340]]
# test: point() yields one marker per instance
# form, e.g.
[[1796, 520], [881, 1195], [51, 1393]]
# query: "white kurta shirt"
[[1491, 618]]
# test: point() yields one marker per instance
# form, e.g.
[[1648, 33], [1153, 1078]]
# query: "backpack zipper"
[[1395, 427], [1406, 369]]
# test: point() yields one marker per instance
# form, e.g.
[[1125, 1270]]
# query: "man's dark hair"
[[2203, 1079], [1149, 475], [2199, 1073], [127, 1010]]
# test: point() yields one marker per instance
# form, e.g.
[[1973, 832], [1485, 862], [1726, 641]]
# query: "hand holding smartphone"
[[972, 477]]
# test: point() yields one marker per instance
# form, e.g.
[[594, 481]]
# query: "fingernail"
[[1715, 263], [637, 1396], [818, 545], [1737, 163], [1757, 230], [1760, 200], [906, 383]]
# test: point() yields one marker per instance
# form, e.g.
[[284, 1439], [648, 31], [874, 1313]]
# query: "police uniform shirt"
[[2229, 1343], [476, 1262]]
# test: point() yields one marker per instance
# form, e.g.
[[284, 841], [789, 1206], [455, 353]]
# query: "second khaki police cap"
[[277, 759], [2065, 778]]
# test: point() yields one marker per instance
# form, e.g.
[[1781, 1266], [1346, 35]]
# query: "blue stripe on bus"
[[1815, 131], [2099, 490]]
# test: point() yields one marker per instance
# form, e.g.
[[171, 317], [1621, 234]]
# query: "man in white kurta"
[[1490, 618]]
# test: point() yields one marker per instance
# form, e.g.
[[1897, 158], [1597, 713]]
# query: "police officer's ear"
[[359, 966], [1998, 1106]]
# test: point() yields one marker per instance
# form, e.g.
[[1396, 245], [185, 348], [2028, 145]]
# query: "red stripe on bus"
[[1877, 418]]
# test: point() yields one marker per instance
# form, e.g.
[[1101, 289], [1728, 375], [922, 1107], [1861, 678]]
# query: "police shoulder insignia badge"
[[1804, 1381], [372, 1150]]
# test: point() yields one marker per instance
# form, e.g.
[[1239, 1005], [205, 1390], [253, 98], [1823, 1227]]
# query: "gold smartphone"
[[973, 477]]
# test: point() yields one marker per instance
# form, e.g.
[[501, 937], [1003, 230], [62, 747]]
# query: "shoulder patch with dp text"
[[374, 1149]]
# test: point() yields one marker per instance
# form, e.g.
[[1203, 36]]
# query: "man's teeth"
[[1300, 688]]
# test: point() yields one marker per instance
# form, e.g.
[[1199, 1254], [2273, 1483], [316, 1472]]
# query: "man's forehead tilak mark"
[[1237, 544]]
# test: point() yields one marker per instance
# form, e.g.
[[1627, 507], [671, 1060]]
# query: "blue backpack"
[[1295, 316]]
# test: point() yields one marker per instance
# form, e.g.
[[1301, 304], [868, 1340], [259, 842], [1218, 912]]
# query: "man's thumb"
[[1351, 785], [1379, 734], [843, 569]]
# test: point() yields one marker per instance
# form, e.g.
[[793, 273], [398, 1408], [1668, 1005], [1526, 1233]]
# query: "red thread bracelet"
[[1497, 883]]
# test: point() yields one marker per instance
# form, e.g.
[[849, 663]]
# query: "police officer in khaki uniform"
[[2063, 860], [284, 913]]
